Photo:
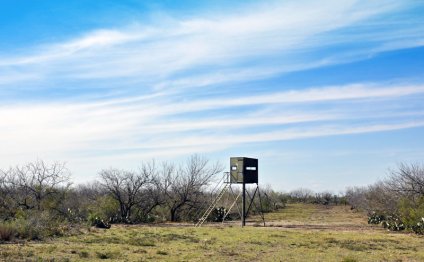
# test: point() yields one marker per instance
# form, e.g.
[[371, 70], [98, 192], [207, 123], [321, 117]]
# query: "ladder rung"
[[212, 206]]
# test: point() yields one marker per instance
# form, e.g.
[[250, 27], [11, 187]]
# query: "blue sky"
[[326, 94]]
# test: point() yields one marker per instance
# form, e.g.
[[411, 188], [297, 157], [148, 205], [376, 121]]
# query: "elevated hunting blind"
[[244, 170]]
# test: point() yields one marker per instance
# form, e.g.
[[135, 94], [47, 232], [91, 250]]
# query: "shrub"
[[218, 214], [412, 213], [397, 203], [7, 232], [39, 225], [375, 218], [418, 228], [393, 223], [98, 222], [105, 208], [29, 229]]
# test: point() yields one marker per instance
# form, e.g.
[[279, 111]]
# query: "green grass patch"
[[142, 241], [231, 243]]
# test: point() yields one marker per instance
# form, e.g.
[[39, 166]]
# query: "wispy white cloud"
[[323, 94], [151, 124], [291, 134], [166, 66], [355, 91], [164, 55]]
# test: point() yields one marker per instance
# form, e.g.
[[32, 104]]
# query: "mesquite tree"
[[37, 184], [407, 180], [126, 188], [186, 184]]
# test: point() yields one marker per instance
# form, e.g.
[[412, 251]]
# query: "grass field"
[[297, 233]]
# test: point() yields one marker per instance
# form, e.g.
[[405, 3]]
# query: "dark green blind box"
[[243, 170]]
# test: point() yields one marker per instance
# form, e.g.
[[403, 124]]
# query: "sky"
[[326, 94]]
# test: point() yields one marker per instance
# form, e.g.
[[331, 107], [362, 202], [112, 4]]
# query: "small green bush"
[[418, 228], [7, 232], [29, 229], [36, 226], [375, 218], [98, 222], [105, 208], [394, 223], [412, 213]]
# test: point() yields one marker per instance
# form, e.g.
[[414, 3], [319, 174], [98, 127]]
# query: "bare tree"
[[152, 195], [36, 182], [3, 185], [323, 198], [380, 200], [89, 191], [407, 180], [185, 185], [125, 187], [6, 206], [374, 198]]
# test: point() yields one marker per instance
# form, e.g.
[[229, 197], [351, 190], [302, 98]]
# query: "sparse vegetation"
[[55, 221], [396, 203], [301, 232]]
